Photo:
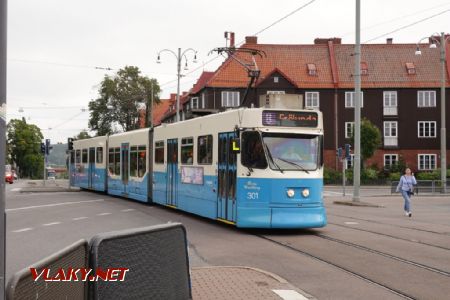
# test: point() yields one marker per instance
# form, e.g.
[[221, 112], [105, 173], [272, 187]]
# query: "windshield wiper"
[[271, 158], [293, 163]]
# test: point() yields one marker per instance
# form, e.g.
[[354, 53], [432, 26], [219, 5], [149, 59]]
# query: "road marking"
[[126, 210], [79, 218], [289, 295], [23, 229], [351, 223], [16, 189], [103, 214], [50, 205], [51, 224]]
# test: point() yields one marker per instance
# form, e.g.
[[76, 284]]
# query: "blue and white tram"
[[251, 167], [88, 163]]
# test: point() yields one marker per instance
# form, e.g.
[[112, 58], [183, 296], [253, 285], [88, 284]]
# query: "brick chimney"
[[251, 40], [389, 41], [335, 40], [232, 40], [173, 96]]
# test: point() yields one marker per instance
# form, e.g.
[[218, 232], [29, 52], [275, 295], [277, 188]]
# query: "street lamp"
[[443, 43], [179, 57]]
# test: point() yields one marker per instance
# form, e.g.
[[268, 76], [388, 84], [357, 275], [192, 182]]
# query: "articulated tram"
[[251, 167]]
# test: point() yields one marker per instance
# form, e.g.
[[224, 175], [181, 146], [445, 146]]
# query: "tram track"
[[398, 226], [338, 266], [390, 236]]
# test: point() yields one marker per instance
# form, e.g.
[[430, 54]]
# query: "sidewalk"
[[241, 283], [38, 186]]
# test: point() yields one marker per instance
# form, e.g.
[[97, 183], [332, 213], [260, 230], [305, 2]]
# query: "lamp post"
[[179, 57], [442, 43], [357, 129]]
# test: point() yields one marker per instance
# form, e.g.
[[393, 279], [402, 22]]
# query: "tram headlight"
[[305, 193], [290, 193]]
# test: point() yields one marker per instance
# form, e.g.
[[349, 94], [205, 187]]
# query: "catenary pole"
[[3, 49], [357, 95], [443, 129]]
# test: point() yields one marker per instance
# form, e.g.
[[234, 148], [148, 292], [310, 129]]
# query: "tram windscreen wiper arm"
[[271, 158], [293, 163]]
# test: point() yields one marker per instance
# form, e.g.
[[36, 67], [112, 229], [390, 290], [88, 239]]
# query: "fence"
[[156, 258], [427, 187]]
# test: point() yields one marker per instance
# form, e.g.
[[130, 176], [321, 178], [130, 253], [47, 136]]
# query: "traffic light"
[[47, 146], [42, 148], [347, 150], [70, 143]]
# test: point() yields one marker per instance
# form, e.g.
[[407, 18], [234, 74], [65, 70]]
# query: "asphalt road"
[[363, 253]]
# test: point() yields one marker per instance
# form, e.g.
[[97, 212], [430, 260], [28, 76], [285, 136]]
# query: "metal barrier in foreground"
[[23, 286], [156, 257]]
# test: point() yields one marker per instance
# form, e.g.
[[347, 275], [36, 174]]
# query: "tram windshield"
[[289, 152]]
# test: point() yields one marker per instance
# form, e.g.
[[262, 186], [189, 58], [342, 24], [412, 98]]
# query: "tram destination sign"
[[290, 118]]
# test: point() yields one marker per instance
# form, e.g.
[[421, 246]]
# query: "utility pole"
[[443, 129], [357, 155], [3, 49]]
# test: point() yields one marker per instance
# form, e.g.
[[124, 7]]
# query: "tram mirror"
[[236, 145]]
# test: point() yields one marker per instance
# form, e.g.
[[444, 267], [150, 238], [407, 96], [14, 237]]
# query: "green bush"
[[331, 175], [434, 175], [394, 176], [369, 174]]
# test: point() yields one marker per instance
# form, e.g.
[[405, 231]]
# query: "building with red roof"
[[400, 92]]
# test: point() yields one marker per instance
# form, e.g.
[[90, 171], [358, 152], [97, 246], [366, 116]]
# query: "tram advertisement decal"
[[192, 175], [290, 118]]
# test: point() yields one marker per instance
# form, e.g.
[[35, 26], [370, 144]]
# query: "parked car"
[[9, 177]]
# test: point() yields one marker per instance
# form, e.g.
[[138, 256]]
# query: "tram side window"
[[84, 156], [78, 156], [117, 161], [142, 160], [72, 157], [204, 149], [111, 161], [99, 155], [133, 161], [252, 155], [187, 150], [159, 152]]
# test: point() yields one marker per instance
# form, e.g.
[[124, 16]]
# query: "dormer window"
[[364, 68], [410, 68], [312, 70]]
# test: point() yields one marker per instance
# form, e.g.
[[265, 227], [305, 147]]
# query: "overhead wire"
[[256, 34]]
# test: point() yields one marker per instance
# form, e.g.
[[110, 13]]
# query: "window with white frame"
[[230, 99], [426, 99], [312, 99], [390, 103], [427, 161], [194, 102], [350, 99], [426, 129], [390, 160], [349, 129], [390, 129]]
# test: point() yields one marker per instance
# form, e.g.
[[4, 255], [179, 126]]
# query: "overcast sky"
[[55, 46]]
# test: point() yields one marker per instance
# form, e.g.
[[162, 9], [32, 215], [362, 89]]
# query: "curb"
[[362, 204], [47, 189]]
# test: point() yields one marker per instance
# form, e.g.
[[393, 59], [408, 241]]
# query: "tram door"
[[226, 204], [125, 165], [172, 172], [91, 168]]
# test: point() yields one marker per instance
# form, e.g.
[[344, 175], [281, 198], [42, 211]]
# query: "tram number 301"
[[252, 195]]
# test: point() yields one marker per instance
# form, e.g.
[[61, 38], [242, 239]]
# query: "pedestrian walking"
[[406, 188]]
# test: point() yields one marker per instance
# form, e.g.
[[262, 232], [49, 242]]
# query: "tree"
[[120, 99], [82, 135], [370, 139], [23, 142]]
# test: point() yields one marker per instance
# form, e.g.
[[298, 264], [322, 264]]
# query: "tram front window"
[[252, 155], [293, 151]]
